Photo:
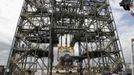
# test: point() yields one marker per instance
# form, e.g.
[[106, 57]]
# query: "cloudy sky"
[[10, 11]]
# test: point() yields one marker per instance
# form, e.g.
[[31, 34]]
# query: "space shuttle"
[[66, 58]]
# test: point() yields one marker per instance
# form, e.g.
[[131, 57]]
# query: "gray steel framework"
[[87, 23], [132, 57]]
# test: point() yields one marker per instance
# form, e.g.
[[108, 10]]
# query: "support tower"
[[46, 26]]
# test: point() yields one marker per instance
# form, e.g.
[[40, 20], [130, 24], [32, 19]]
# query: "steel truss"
[[88, 24]]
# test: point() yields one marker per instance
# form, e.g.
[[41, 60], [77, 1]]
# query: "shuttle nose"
[[66, 58]]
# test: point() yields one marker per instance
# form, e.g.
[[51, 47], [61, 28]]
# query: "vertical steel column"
[[132, 57]]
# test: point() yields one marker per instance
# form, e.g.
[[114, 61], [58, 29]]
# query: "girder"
[[82, 29]]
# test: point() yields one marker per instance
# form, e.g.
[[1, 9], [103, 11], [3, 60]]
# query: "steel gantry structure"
[[85, 26], [132, 55]]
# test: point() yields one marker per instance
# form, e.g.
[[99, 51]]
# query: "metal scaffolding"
[[86, 26], [132, 58]]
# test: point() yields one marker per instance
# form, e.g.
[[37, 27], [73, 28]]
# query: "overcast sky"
[[10, 11]]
